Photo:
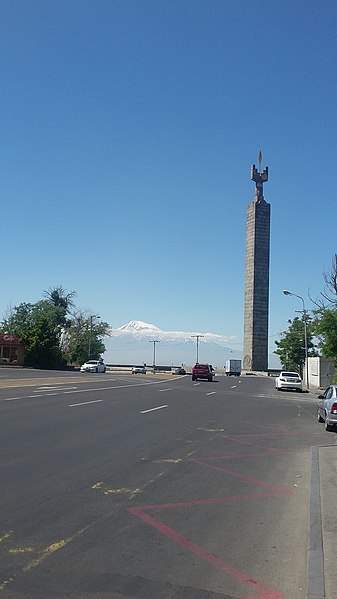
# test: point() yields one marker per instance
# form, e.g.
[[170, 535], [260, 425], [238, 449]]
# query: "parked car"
[[202, 371], [179, 370], [93, 366], [288, 380], [138, 370], [327, 408]]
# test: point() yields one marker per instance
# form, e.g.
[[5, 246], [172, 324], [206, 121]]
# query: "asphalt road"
[[143, 487]]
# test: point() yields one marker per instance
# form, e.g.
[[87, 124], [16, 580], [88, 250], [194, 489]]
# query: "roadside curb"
[[315, 560]]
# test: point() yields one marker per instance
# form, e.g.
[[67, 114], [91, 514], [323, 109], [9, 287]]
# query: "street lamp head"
[[286, 292]]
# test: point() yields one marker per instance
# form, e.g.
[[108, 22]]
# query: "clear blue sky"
[[127, 131]]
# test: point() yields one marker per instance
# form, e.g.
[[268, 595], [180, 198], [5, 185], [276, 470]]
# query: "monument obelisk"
[[256, 315]]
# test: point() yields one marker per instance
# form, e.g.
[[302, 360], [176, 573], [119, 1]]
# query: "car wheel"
[[193, 378], [96, 369], [319, 418], [328, 427]]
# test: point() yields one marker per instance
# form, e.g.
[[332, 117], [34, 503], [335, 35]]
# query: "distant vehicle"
[[93, 366], [179, 370], [139, 370], [202, 371], [288, 380], [233, 368], [327, 408]]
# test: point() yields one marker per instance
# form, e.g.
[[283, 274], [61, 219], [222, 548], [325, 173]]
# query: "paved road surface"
[[146, 487]]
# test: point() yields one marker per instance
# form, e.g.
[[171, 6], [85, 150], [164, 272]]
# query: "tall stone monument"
[[256, 316]]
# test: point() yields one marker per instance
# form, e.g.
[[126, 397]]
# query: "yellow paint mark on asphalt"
[[150, 482], [5, 583], [120, 491], [168, 461], [6, 536], [212, 430], [97, 485], [17, 550], [54, 547]]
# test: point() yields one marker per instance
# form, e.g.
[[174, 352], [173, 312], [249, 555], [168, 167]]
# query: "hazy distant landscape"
[[131, 344]]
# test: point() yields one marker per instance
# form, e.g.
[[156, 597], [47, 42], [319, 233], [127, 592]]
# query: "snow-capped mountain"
[[137, 326], [132, 344]]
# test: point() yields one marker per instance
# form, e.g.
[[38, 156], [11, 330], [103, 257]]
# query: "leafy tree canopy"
[[84, 331], [291, 348], [54, 332], [38, 326], [325, 328]]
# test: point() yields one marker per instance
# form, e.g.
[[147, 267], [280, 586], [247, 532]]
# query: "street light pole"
[[286, 292], [90, 333], [154, 354], [197, 337]]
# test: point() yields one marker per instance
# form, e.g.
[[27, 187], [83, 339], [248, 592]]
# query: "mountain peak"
[[139, 326]]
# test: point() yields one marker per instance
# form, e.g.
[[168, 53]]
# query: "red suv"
[[202, 371]]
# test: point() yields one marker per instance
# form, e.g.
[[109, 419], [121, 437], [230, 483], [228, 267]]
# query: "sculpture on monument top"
[[259, 177]]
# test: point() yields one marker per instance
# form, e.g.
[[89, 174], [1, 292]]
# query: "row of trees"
[[321, 327], [54, 331]]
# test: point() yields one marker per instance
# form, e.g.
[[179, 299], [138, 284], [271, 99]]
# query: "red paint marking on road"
[[262, 592], [211, 501], [271, 450], [236, 456], [272, 434], [246, 478], [276, 426]]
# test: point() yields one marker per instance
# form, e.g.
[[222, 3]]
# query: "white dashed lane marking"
[[153, 409], [84, 403]]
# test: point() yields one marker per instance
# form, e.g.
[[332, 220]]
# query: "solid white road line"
[[62, 392], [152, 409], [160, 390], [211, 393], [53, 389], [84, 403], [10, 398]]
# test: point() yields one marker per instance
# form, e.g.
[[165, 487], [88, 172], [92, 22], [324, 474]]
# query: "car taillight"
[[334, 408]]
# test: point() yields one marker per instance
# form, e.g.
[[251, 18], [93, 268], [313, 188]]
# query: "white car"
[[288, 380], [139, 370], [93, 366]]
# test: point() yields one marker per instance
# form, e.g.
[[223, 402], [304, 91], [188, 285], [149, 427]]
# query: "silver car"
[[327, 408], [139, 370]]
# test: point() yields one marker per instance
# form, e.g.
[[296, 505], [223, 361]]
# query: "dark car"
[[202, 371]]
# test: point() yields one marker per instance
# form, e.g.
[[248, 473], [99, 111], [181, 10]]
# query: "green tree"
[[325, 328], [76, 338], [38, 326], [291, 348], [325, 315], [54, 332]]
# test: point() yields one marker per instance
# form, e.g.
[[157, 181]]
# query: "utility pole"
[[154, 354], [197, 337]]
